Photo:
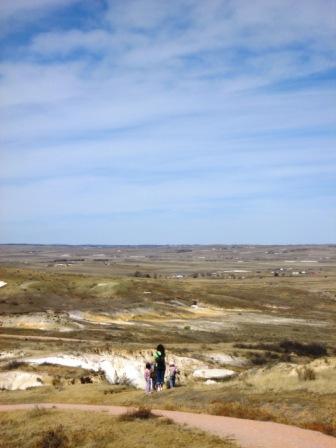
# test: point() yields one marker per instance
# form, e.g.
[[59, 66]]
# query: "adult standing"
[[160, 364]]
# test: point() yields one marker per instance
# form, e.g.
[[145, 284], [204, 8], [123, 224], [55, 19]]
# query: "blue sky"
[[148, 121]]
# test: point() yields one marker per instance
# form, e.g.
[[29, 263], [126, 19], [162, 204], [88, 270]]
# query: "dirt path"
[[248, 433]]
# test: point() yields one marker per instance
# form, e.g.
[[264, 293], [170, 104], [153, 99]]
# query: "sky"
[[168, 122]]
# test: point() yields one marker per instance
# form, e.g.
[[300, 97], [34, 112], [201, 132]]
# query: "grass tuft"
[[326, 428], [13, 365], [38, 411], [54, 438], [233, 409], [306, 373], [142, 413]]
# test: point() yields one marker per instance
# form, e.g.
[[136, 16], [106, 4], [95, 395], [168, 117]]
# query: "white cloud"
[[166, 106], [56, 43]]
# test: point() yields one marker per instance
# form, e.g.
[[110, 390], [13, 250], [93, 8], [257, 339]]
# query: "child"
[[148, 378], [153, 376], [172, 375]]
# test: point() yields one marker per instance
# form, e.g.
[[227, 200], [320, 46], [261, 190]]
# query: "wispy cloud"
[[152, 108]]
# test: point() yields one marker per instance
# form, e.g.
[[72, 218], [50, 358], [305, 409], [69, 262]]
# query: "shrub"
[[315, 350], [116, 389], [56, 381], [259, 359], [234, 409], [12, 365], [306, 373], [54, 438], [86, 380], [142, 413], [326, 428], [37, 411], [166, 421]]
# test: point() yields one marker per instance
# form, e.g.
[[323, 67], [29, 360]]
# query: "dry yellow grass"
[[273, 391], [296, 407], [46, 429]]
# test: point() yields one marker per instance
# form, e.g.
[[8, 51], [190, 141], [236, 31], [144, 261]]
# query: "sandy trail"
[[247, 433]]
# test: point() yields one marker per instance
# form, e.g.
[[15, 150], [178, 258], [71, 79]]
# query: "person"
[[172, 375], [160, 363], [148, 378], [153, 375]]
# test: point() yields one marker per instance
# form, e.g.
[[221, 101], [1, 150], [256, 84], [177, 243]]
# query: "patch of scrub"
[[18, 380], [39, 321], [100, 319], [285, 376]]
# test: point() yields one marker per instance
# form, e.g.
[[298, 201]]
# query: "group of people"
[[155, 372]]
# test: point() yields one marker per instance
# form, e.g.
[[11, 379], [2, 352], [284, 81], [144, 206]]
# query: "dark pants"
[[172, 380], [160, 373]]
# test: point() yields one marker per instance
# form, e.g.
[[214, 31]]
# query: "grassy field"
[[40, 428], [305, 407], [311, 299], [274, 323]]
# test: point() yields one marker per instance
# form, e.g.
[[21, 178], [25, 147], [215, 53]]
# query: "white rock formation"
[[11, 355], [17, 380], [2, 283], [210, 382], [117, 369], [213, 374], [222, 358]]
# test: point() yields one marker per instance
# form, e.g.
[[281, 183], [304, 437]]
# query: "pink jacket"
[[147, 374]]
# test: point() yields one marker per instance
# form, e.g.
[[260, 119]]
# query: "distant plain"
[[272, 307]]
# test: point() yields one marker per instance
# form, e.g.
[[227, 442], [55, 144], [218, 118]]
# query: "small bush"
[[142, 413], [258, 359], [54, 438], [37, 411], [13, 365], [321, 427], [56, 381], [306, 373], [116, 389], [86, 380], [234, 409], [314, 350], [166, 421]]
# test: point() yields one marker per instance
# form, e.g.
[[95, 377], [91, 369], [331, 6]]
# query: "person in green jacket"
[[160, 364]]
